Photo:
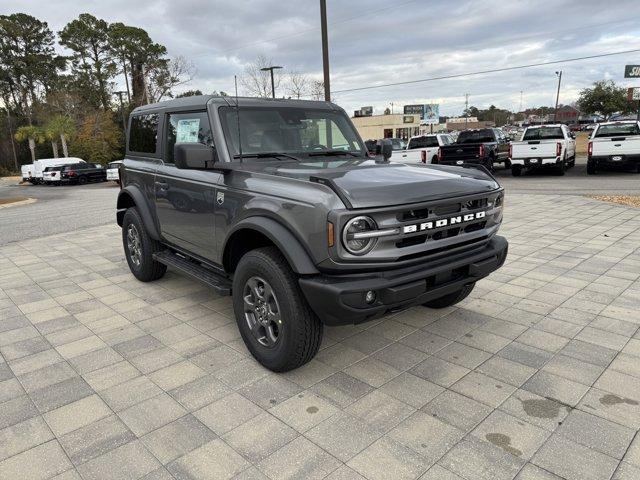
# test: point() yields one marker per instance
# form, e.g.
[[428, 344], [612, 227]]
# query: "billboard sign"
[[431, 114], [632, 71], [414, 110]]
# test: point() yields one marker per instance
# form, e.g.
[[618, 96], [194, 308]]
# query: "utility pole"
[[325, 50], [391, 108], [124, 121], [466, 110], [271, 69], [555, 115]]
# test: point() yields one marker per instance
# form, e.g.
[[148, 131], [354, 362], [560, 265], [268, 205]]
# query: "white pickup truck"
[[614, 143], [543, 146], [422, 149]]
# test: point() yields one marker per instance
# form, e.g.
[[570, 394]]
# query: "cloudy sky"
[[374, 42]]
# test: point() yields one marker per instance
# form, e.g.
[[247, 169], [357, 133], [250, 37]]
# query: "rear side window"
[[543, 133], [143, 133], [193, 127], [423, 142], [476, 136], [620, 129]]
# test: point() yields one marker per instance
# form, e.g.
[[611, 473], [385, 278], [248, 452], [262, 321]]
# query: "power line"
[[482, 72]]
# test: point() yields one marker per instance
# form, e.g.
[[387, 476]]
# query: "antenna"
[[235, 80]]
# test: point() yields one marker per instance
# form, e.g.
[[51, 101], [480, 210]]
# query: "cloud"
[[377, 42]]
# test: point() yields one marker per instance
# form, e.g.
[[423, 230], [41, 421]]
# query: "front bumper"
[[340, 299], [614, 160], [535, 162]]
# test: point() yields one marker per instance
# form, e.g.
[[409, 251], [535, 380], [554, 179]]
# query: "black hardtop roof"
[[199, 101]]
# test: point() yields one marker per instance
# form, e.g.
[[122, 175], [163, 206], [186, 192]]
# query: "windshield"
[[476, 136], [543, 133], [289, 130], [617, 129], [423, 142]]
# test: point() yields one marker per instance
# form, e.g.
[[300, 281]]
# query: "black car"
[[81, 173]]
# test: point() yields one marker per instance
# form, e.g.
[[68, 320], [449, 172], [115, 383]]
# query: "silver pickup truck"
[[614, 144]]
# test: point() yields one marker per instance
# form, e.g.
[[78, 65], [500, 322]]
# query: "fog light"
[[370, 297]]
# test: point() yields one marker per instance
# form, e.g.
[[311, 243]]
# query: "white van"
[[113, 171], [27, 172], [40, 165]]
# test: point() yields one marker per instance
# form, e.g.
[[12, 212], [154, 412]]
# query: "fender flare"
[[298, 258], [133, 194]]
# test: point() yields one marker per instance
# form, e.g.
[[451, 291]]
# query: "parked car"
[[544, 146], [614, 144], [485, 146], [113, 171], [27, 173], [422, 149], [301, 233], [51, 176], [81, 173], [40, 165]]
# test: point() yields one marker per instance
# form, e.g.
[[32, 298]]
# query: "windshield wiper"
[[267, 155], [332, 153]]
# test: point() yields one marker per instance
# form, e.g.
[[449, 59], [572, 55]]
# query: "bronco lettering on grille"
[[443, 222]]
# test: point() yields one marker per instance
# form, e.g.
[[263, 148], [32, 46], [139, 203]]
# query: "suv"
[[277, 203], [82, 173]]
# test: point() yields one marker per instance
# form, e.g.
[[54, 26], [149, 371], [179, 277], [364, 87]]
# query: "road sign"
[[632, 71]]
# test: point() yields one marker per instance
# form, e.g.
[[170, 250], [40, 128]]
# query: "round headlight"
[[355, 244]]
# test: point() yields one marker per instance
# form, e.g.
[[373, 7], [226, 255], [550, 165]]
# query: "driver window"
[[192, 127]]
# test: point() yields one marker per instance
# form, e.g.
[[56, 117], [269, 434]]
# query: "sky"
[[374, 42]]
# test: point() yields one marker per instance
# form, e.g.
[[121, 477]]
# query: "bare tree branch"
[[297, 84], [257, 83]]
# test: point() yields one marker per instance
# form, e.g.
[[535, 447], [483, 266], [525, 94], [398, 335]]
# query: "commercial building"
[[396, 125], [464, 123]]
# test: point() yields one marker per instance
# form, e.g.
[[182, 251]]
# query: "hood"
[[367, 183]]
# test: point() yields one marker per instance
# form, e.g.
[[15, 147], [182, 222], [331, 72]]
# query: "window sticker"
[[187, 130]]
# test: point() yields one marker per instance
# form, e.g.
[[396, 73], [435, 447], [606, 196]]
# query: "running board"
[[208, 276]]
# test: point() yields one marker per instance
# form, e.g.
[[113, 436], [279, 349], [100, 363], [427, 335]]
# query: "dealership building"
[[394, 125]]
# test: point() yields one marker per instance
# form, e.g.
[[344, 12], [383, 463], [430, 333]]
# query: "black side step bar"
[[208, 276]]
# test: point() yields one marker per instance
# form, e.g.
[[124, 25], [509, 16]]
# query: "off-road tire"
[[516, 170], [452, 298], [301, 331], [149, 269]]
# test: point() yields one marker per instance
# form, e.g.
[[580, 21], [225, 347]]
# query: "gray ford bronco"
[[279, 204]]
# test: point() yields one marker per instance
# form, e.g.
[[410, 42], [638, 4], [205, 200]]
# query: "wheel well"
[[241, 242], [124, 201]]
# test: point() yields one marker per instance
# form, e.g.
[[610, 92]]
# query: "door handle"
[[162, 185]]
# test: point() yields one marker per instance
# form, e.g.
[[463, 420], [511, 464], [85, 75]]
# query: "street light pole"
[[555, 115], [325, 50], [271, 69]]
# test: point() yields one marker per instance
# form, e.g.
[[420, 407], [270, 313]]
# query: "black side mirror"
[[193, 156], [387, 149]]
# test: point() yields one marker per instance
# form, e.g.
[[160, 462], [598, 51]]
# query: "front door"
[[185, 199]]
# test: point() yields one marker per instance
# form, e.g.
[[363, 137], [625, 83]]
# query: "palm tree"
[[62, 127], [33, 135], [52, 136]]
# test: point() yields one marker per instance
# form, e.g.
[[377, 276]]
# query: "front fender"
[[298, 258], [131, 196]]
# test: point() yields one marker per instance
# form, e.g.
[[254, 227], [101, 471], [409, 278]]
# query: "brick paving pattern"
[[535, 376]]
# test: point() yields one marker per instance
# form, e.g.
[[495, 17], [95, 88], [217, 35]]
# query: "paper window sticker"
[[187, 130]]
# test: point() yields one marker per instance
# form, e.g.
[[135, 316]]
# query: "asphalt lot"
[[535, 376]]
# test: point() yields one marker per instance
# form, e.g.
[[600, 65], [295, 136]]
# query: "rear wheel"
[[591, 168], [452, 298], [516, 170], [139, 248], [275, 320], [82, 180]]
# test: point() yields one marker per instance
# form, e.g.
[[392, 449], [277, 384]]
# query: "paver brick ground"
[[535, 376]]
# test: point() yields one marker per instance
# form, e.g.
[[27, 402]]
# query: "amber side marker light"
[[330, 235]]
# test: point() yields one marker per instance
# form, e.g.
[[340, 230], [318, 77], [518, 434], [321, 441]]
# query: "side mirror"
[[387, 149], [193, 156]]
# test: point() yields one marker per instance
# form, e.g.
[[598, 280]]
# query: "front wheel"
[[275, 320], [139, 248], [452, 298], [82, 180]]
